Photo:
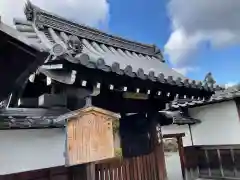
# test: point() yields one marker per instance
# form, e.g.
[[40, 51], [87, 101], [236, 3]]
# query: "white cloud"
[[198, 21], [230, 84], [180, 47], [185, 70], [90, 12]]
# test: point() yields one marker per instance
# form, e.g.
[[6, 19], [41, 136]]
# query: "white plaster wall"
[[24, 150], [220, 124], [173, 129]]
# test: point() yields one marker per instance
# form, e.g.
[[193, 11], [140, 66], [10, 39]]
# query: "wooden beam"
[[121, 81], [32, 112], [115, 102], [177, 135]]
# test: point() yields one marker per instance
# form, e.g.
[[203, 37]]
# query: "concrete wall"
[[220, 125], [24, 150]]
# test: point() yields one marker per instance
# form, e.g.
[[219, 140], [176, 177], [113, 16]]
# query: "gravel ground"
[[173, 166]]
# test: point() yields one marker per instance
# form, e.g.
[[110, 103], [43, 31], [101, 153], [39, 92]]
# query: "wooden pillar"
[[181, 154], [78, 172], [49, 174], [158, 150], [90, 168], [160, 163]]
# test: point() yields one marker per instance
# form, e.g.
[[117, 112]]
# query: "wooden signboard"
[[89, 136]]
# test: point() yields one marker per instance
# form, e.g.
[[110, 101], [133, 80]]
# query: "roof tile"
[[123, 56]]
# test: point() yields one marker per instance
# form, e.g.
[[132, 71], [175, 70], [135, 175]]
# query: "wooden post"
[[90, 167], [78, 172], [158, 150], [49, 174], [181, 154]]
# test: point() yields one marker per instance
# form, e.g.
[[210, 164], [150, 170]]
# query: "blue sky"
[[196, 36], [148, 21]]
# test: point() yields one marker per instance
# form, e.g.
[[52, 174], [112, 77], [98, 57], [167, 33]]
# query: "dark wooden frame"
[[229, 165], [18, 61], [237, 101], [107, 98], [179, 137]]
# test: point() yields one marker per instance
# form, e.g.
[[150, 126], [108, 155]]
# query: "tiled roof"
[[30, 117], [179, 118], [13, 69], [219, 96], [16, 34], [96, 49]]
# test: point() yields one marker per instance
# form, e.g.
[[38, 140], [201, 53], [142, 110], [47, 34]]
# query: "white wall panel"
[[24, 150], [220, 124]]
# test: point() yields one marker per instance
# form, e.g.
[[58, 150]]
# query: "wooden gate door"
[[138, 168], [146, 167]]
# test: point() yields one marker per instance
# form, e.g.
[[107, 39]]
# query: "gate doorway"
[[174, 155], [144, 167]]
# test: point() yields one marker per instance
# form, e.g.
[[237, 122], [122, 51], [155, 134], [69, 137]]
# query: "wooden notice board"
[[89, 136]]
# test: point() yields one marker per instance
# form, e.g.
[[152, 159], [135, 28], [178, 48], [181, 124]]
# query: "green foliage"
[[116, 125], [170, 145], [118, 153], [209, 79]]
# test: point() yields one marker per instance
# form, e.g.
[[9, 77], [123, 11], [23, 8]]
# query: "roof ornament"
[[75, 44], [158, 53], [57, 50], [29, 10], [209, 79]]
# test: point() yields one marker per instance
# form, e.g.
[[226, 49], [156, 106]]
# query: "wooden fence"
[[218, 162], [145, 167], [56, 173], [139, 168]]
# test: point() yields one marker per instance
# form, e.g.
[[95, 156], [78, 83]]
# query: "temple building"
[[60, 69]]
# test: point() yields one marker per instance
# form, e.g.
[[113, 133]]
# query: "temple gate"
[[104, 77]]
